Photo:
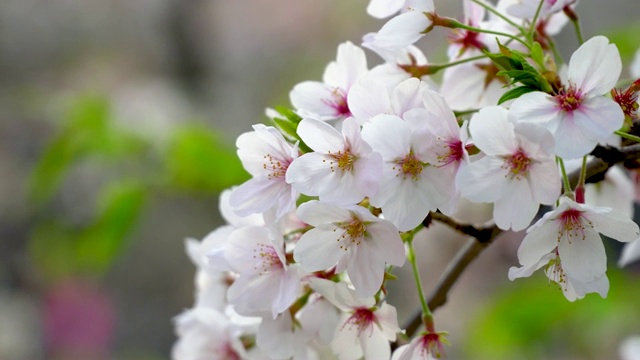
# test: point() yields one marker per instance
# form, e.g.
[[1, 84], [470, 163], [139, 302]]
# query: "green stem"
[[556, 54], [532, 29], [583, 172], [439, 67], [627, 136], [459, 25], [411, 256], [565, 179], [499, 14]]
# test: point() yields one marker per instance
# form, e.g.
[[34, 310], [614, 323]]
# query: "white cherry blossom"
[[349, 238], [579, 116], [518, 171], [572, 232], [407, 28], [343, 168], [364, 328], [266, 155], [328, 99]]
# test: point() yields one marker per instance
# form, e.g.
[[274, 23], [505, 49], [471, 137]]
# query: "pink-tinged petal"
[[516, 210], [464, 87], [319, 319], [387, 318], [239, 249], [492, 132], [528, 270], [316, 213], [318, 250], [312, 97], [389, 135], [288, 291], [258, 195], [538, 243], [384, 8], [320, 136], [368, 98], [411, 202], [366, 270], [369, 170], [545, 182], [351, 63], [374, 344], [346, 344], [340, 295], [387, 242], [442, 115], [538, 108], [535, 140], [630, 253], [230, 216], [419, 5], [596, 66], [599, 117], [275, 337], [406, 96], [583, 258], [308, 173], [253, 294], [599, 285], [573, 142], [482, 180], [342, 189], [402, 30], [614, 225]]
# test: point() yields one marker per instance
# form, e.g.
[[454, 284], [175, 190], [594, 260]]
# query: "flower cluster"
[[342, 182]]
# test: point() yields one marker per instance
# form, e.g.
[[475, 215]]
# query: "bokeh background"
[[117, 127]]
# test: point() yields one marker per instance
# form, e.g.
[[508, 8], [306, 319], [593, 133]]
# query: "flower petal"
[[596, 66]]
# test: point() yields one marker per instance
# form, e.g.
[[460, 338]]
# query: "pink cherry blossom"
[[349, 238], [571, 233], [328, 99], [364, 328], [266, 155], [342, 169], [578, 116], [518, 171]]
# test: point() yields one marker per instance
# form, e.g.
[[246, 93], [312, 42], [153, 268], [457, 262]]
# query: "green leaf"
[[537, 54], [288, 114], [197, 160], [119, 208], [515, 93]]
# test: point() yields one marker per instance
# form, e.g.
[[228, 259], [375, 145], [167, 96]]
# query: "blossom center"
[[266, 258], [361, 319], [344, 159], [354, 232], [454, 152], [574, 225], [338, 101], [518, 164], [275, 167], [409, 166], [569, 100]]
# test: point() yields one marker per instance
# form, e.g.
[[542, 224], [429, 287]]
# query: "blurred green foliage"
[[531, 320], [193, 160]]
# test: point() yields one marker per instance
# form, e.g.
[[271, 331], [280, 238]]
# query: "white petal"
[[389, 135], [320, 136], [517, 208], [599, 117], [571, 140], [482, 180], [368, 98], [630, 253], [538, 108], [374, 344], [545, 181], [539, 242], [584, 258], [351, 64], [492, 132], [318, 249], [402, 30], [615, 225], [406, 96], [316, 213], [310, 95], [384, 8], [596, 66]]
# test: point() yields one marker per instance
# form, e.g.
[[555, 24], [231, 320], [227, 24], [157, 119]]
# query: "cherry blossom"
[[578, 116], [517, 173], [349, 238], [266, 155], [342, 169], [571, 231], [426, 346], [526, 9], [407, 187], [406, 28], [364, 328], [265, 282], [328, 99]]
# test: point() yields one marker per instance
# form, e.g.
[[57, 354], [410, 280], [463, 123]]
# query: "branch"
[[605, 157]]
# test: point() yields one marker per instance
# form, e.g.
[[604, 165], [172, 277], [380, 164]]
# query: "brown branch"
[[605, 157]]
